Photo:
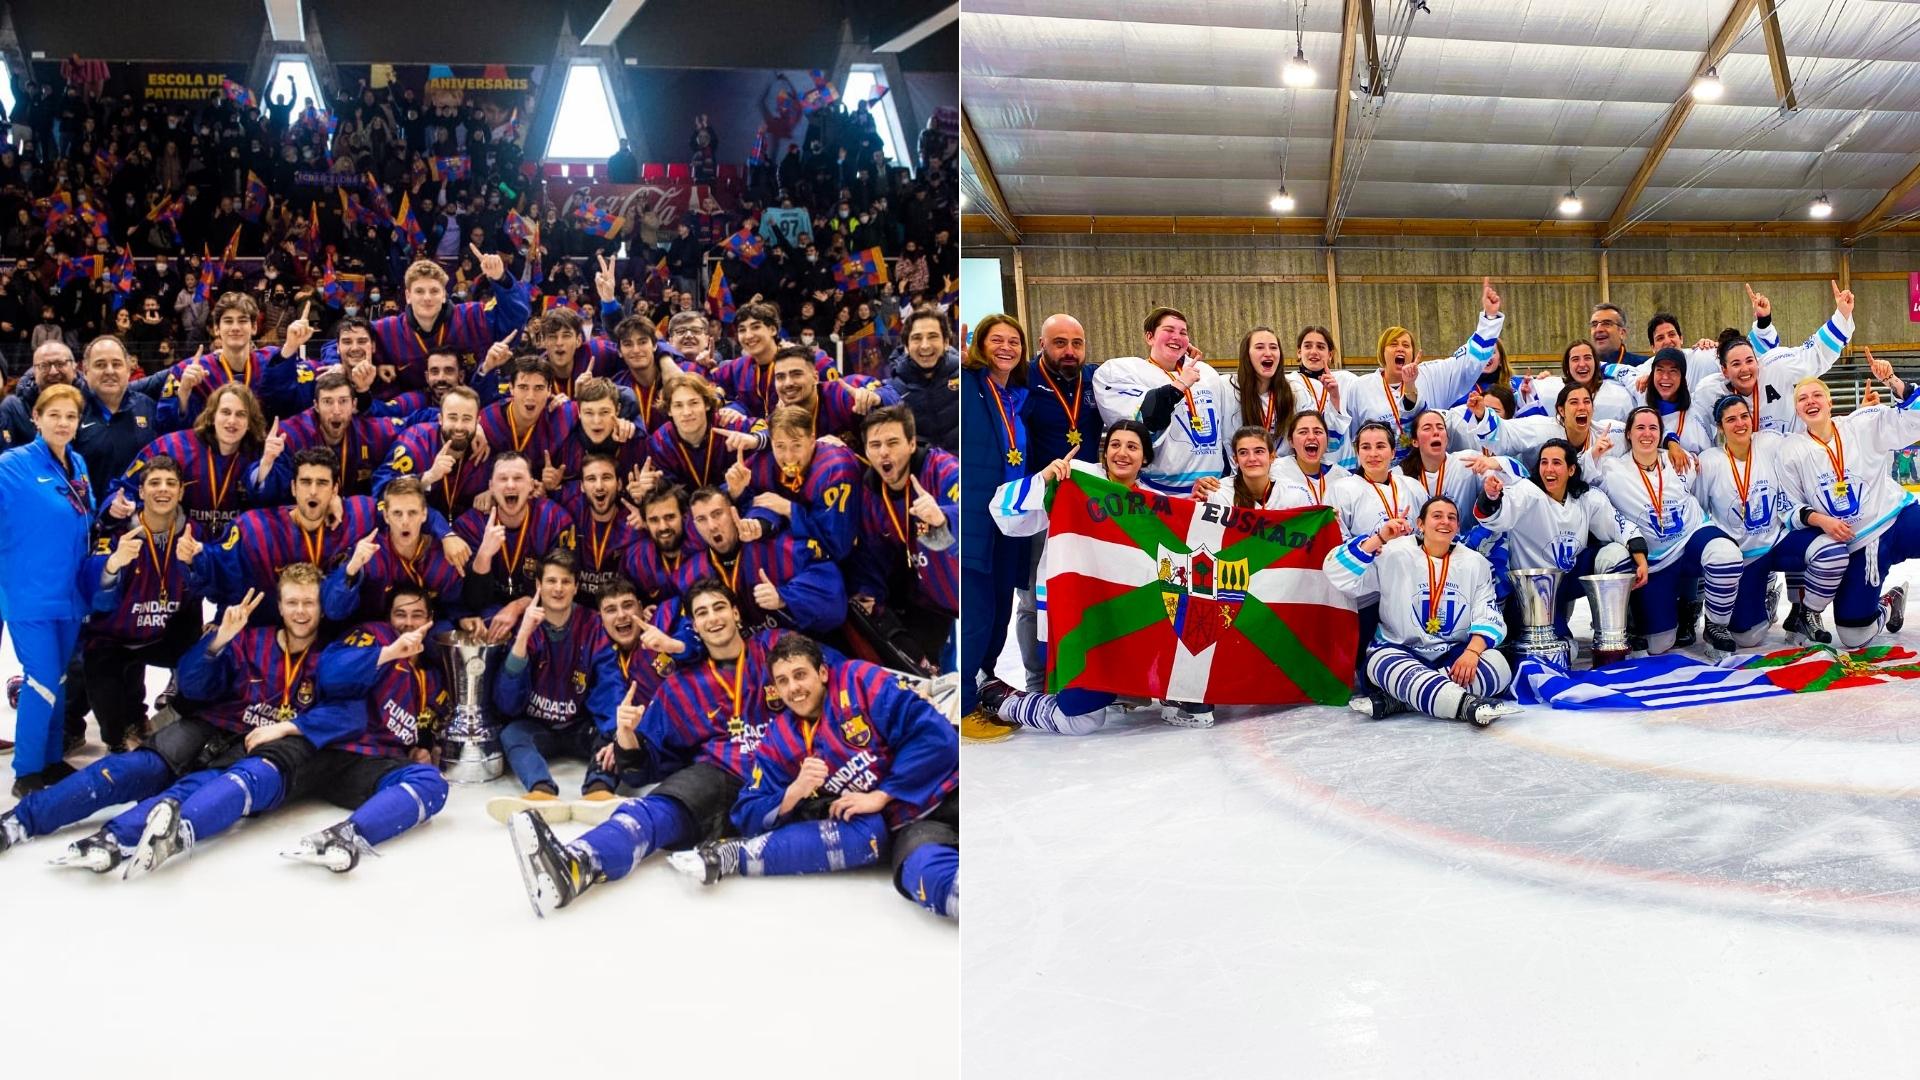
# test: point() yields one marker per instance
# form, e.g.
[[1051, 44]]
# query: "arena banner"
[[1673, 681], [1913, 296], [1165, 597], [645, 207], [505, 92], [182, 81]]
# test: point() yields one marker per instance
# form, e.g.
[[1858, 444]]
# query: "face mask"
[[351, 309], [813, 258], [374, 298]]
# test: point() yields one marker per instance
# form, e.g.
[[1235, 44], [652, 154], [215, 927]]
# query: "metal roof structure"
[[1455, 109]]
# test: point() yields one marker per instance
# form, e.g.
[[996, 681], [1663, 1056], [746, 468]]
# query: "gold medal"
[[1013, 457], [284, 714], [1433, 624], [1073, 437], [1840, 490]]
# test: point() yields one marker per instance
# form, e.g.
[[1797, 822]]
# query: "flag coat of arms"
[[862, 270], [1170, 598]]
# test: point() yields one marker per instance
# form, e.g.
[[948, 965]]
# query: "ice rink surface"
[[428, 961], [1728, 891]]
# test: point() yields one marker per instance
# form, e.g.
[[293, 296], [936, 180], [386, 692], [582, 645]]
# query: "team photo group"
[[1693, 493], [489, 527]]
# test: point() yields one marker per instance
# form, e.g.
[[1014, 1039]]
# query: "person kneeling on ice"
[[541, 691], [1439, 622], [1020, 509], [858, 765], [231, 694], [697, 737]]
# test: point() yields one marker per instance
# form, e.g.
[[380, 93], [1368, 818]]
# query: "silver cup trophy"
[[469, 743], [1609, 594], [1535, 596]]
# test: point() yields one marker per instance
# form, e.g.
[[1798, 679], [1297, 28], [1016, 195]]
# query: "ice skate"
[[1187, 714], [1894, 603], [98, 853], [11, 830], [705, 863], [1803, 627], [554, 876], [337, 848], [1719, 638], [1482, 712], [167, 835], [1376, 704]]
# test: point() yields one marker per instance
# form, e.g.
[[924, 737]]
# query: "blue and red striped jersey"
[[614, 670], [552, 686], [264, 542], [651, 401], [602, 545], [874, 734], [252, 682], [714, 711], [412, 455], [572, 457], [812, 589], [544, 435], [363, 447], [367, 594], [655, 573], [405, 700], [517, 567], [164, 386], [891, 560], [825, 497], [749, 386], [137, 603], [216, 488], [833, 406], [466, 328], [694, 465]]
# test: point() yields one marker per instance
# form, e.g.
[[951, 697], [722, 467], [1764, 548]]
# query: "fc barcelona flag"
[[862, 270], [1165, 597]]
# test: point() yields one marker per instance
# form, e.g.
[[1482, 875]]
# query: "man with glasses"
[[52, 365], [1608, 329]]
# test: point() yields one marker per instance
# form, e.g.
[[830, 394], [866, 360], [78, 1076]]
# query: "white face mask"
[[351, 309]]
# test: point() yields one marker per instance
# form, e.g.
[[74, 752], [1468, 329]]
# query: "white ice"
[[428, 961], [1303, 893]]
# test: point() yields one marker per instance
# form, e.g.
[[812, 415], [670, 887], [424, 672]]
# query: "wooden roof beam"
[[1676, 118], [996, 208], [1343, 87], [1777, 56], [1881, 208]]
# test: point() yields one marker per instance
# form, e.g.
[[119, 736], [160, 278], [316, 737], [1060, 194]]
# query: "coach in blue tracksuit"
[[46, 503]]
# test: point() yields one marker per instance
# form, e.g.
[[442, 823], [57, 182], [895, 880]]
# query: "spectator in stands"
[[926, 374], [623, 167]]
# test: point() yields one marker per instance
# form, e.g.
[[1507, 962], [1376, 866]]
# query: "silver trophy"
[[1536, 597], [469, 744], [1609, 595]]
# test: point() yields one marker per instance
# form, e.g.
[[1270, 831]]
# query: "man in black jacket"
[[926, 375]]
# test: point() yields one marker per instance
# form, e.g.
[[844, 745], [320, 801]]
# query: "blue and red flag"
[[254, 203], [410, 225], [71, 271], [862, 270], [96, 222], [822, 95], [168, 213], [123, 278], [451, 169], [239, 95], [720, 296], [747, 247], [377, 203], [58, 208], [595, 220], [106, 161], [524, 233]]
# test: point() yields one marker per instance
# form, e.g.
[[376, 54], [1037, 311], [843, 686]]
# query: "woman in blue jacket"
[[46, 503], [993, 446]]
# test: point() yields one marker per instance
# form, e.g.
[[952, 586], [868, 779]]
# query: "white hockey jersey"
[[1401, 574], [1542, 532], [1194, 442], [1780, 369], [1291, 487], [1870, 499], [1757, 519], [1668, 526], [1438, 383], [1311, 395], [1613, 402]]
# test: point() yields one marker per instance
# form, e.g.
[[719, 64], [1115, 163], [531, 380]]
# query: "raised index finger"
[[631, 689], [475, 248]]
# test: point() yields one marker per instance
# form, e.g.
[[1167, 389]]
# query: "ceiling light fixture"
[[1281, 202], [1570, 204], [1821, 207], [1708, 87], [1297, 73]]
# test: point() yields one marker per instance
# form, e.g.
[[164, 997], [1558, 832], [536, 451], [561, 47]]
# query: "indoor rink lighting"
[[1570, 204], [1821, 207], [1281, 202], [1297, 71], [1708, 87]]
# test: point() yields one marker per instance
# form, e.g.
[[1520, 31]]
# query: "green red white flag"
[[1163, 597]]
